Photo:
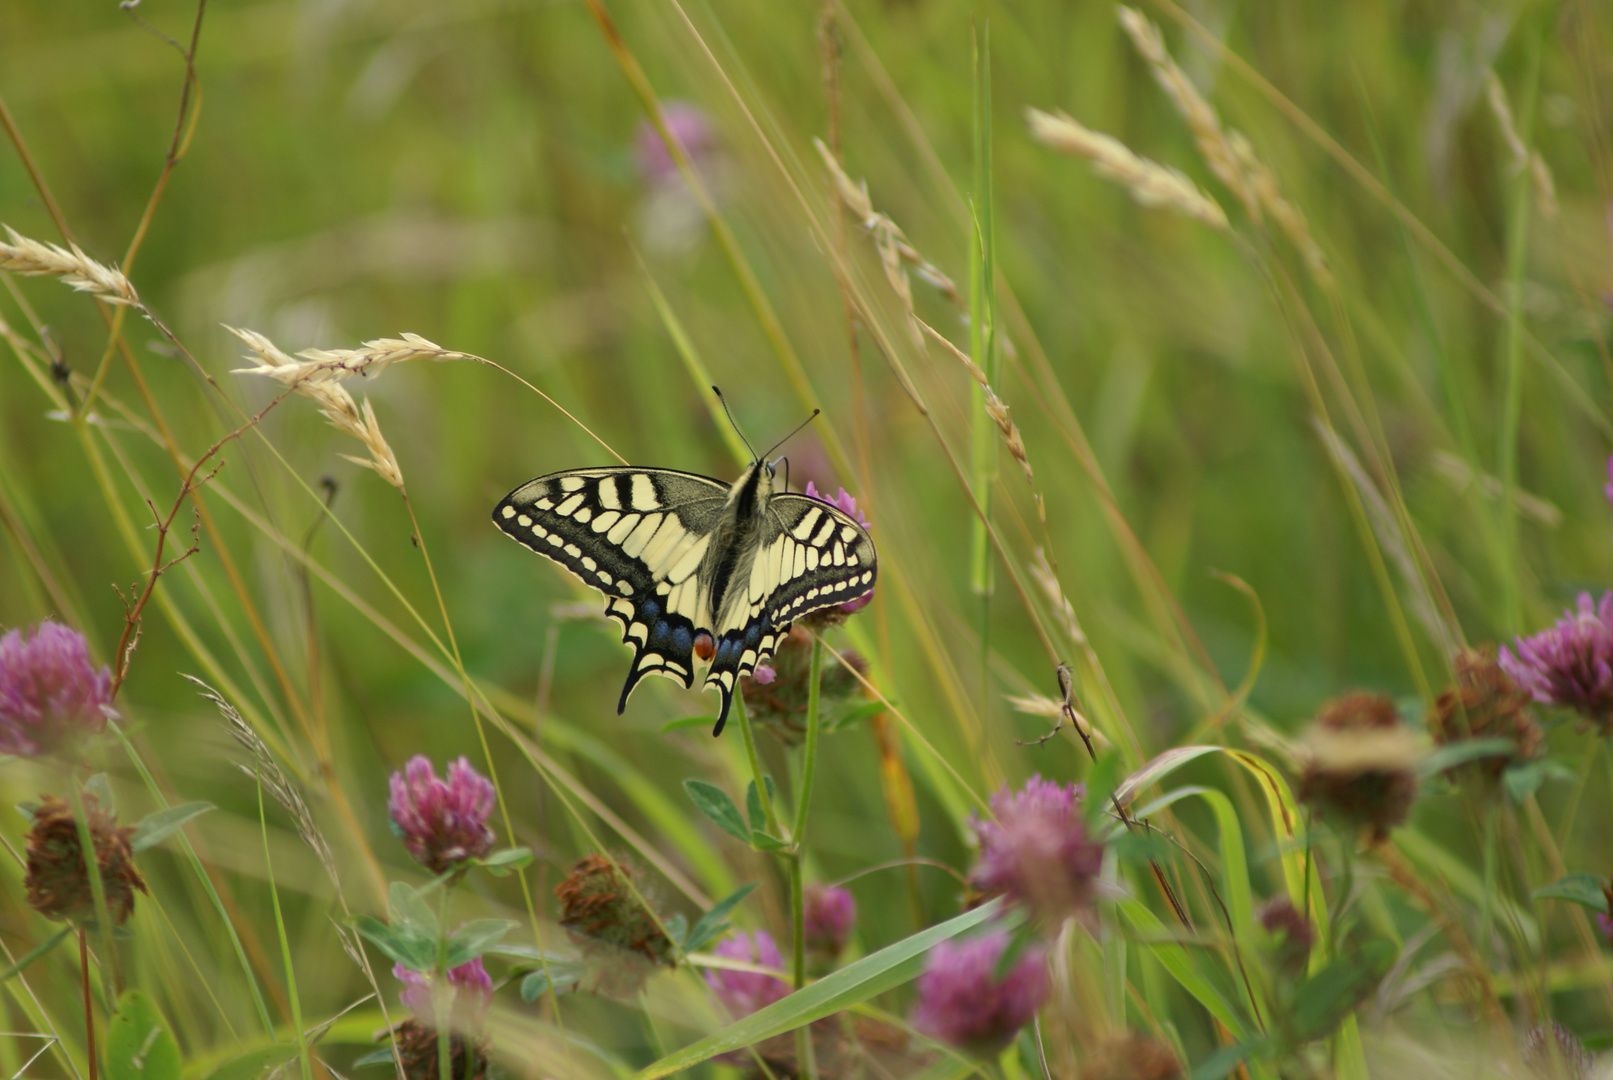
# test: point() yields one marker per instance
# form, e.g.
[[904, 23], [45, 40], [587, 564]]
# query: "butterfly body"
[[678, 555]]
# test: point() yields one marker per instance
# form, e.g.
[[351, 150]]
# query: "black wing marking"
[[627, 532], [810, 556]]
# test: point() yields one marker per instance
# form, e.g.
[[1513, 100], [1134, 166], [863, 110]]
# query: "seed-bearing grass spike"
[[678, 556]]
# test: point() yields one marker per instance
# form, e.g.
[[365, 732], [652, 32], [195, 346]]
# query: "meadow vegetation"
[[1229, 391]]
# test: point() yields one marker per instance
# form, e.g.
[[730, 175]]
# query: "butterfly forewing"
[[638, 536]]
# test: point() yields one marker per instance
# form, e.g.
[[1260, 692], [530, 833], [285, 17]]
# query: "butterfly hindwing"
[[636, 535], [809, 556]]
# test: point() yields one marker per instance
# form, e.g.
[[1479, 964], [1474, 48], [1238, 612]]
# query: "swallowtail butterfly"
[[679, 555]]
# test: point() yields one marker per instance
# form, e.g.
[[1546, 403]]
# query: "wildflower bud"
[[443, 823], [1552, 1052], [833, 616], [1038, 851], [1571, 664], [1362, 762], [611, 925], [1132, 1057], [829, 915], [1292, 935], [776, 695], [1484, 704], [470, 992], [961, 1002], [58, 882], [51, 696], [743, 992], [1604, 920]]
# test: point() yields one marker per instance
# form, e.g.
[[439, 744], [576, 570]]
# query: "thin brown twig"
[[193, 480]]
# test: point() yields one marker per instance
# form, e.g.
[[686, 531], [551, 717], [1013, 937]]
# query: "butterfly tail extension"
[[738, 653]]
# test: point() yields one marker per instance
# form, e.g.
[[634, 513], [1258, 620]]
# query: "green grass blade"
[[851, 985]]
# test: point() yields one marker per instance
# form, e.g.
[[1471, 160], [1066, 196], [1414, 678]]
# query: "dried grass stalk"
[[1150, 183], [268, 772], [1229, 155], [316, 377], [1522, 157], [1042, 571], [896, 255], [995, 408], [1201, 119], [34, 258]]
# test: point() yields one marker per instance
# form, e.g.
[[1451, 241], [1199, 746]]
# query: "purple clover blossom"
[[764, 674], [961, 1003], [1571, 664], [1038, 851], [743, 992], [443, 823], [830, 913], [50, 693], [689, 126], [847, 505], [469, 984]]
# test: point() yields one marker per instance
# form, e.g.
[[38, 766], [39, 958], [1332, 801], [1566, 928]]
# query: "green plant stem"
[[285, 945], [89, 1009], [803, 799], [442, 1000], [809, 765], [755, 764], [103, 914]]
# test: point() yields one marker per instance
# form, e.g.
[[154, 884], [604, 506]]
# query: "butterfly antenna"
[[734, 423], [798, 428]]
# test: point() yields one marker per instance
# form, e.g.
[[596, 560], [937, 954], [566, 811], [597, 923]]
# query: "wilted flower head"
[[616, 932], [830, 913], [58, 882], [848, 506], [776, 694], [743, 992], [1038, 851], [417, 1047], [962, 1003], [1485, 703], [442, 822], [1133, 1057], [50, 693], [1552, 1052], [471, 992], [1571, 664], [1292, 935], [1361, 766]]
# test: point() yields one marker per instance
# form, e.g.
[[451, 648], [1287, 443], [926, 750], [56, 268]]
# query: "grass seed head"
[[1149, 183], [34, 258]]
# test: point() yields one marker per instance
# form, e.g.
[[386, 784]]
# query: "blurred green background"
[[474, 172]]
